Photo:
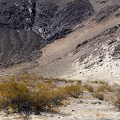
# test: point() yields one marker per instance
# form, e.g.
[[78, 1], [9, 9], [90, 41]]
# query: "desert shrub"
[[14, 95], [73, 90], [104, 88], [117, 100], [99, 95], [25, 93], [79, 82], [102, 82], [89, 88], [99, 82]]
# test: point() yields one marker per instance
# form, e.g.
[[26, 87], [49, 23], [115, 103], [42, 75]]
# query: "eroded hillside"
[[88, 47], [28, 25]]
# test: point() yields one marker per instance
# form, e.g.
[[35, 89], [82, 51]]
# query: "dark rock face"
[[19, 45], [53, 23], [27, 25], [17, 14]]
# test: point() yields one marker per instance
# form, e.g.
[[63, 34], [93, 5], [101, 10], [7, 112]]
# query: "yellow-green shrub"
[[24, 93], [99, 95], [14, 95], [104, 88], [117, 101], [73, 90], [89, 88]]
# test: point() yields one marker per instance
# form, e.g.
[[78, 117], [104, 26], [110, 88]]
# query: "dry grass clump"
[[73, 90], [104, 88], [26, 93], [99, 95], [99, 82], [117, 101], [89, 88]]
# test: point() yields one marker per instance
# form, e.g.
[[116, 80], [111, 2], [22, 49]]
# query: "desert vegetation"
[[28, 93], [117, 100]]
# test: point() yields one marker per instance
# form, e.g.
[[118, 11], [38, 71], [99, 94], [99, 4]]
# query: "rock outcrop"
[[28, 25]]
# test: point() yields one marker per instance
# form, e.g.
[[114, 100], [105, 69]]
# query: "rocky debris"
[[97, 47], [107, 12], [28, 25], [116, 52]]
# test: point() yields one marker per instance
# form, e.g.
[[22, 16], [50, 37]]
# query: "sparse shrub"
[[79, 82], [99, 82], [117, 101], [99, 95], [73, 90], [89, 88], [26, 93], [104, 88], [95, 81], [14, 95]]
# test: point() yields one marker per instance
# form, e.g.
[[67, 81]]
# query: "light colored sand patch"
[[109, 72]]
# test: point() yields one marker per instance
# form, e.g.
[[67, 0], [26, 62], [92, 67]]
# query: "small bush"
[[73, 90], [14, 95], [89, 88], [117, 101], [104, 88], [99, 95]]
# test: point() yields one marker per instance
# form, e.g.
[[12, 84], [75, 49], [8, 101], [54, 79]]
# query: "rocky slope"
[[90, 51], [28, 25]]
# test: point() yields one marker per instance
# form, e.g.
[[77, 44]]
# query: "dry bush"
[[104, 88], [89, 88], [117, 101], [99, 95], [26, 93], [73, 90], [14, 95], [99, 82]]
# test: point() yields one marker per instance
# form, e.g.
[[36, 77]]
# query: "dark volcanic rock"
[[59, 20], [28, 25], [18, 45], [17, 14]]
